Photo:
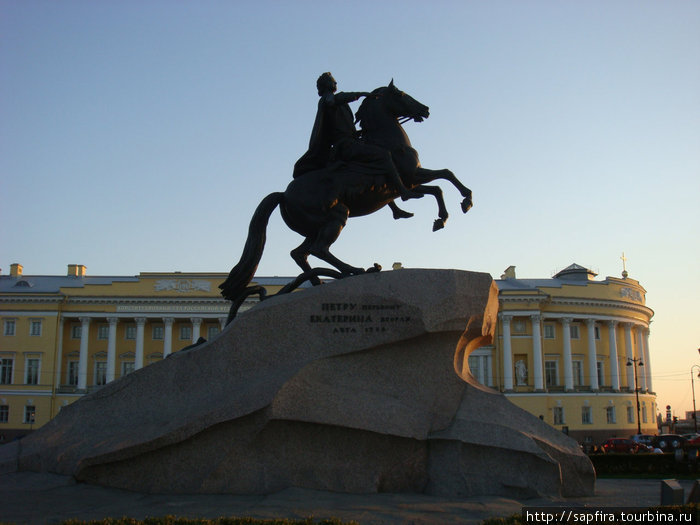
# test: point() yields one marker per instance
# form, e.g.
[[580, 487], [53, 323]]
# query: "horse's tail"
[[242, 274]]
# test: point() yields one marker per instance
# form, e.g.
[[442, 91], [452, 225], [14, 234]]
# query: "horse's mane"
[[365, 113]]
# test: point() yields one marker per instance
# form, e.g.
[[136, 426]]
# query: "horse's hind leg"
[[300, 255], [327, 234]]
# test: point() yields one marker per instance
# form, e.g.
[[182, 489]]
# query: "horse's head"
[[404, 105], [392, 101]]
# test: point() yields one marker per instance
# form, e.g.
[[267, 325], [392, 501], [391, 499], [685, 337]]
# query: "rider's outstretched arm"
[[349, 96]]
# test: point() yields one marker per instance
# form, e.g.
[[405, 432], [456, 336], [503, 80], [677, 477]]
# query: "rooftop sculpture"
[[345, 173]]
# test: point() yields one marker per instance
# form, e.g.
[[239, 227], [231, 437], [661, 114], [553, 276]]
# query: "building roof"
[[53, 283], [574, 274]]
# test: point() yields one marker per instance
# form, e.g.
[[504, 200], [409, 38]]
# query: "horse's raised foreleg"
[[424, 175], [398, 213], [436, 192]]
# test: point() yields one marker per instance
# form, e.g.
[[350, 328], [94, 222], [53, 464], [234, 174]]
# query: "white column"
[[59, 352], [641, 372], [83, 360], [629, 354], [568, 365], [537, 351], [140, 323], [111, 348], [507, 354], [592, 354], [168, 336], [222, 323], [647, 361], [196, 323], [614, 368]]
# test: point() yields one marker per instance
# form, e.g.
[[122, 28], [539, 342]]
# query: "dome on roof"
[[576, 272]]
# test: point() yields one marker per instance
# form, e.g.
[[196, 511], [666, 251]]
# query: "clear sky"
[[140, 136]]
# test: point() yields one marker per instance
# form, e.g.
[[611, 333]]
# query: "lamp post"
[[635, 362], [692, 386]]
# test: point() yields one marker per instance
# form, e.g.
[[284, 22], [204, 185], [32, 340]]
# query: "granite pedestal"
[[359, 385]]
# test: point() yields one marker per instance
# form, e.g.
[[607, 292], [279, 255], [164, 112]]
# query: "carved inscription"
[[182, 285], [350, 318], [632, 294]]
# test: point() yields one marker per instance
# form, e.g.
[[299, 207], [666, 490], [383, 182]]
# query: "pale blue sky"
[[139, 136]]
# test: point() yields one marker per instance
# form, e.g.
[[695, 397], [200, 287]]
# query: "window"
[[130, 332], [601, 373], [29, 413], [35, 327], [586, 415], [158, 332], [75, 331], [630, 414], [610, 415], [72, 373], [4, 413], [518, 326], [558, 415], [103, 332], [154, 357], [596, 330], [212, 331], [31, 371], [186, 332], [551, 374], [480, 367], [127, 367], [574, 331], [578, 372], [100, 372], [644, 412], [9, 327], [6, 371], [548, 331]]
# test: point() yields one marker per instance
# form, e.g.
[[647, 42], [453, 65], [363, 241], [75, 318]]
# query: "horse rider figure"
[[334, 138]]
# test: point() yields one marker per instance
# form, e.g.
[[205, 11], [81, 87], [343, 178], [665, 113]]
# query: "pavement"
[[42, 499]]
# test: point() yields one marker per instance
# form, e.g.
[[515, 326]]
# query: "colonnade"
[[624, 351], [140, 322]]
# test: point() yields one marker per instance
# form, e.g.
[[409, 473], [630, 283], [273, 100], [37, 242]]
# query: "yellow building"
[[569, 349], [65, 335]]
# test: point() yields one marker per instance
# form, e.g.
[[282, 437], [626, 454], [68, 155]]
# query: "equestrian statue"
[[343, 174]]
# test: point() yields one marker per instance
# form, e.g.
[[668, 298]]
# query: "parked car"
[[669, 442], [693, 442], [644, 441], [620, 445]]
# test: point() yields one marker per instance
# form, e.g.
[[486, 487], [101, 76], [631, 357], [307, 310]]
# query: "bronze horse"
[[317, 204]]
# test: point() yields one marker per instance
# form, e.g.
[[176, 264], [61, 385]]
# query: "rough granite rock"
[[359, 385]]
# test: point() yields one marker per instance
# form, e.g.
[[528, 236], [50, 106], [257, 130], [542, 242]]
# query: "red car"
[[620, 445], [693, 442]]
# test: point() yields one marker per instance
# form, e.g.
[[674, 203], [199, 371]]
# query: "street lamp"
[[692, 386], [635, 362]]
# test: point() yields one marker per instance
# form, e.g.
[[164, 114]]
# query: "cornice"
[[603, 303], [527, 298], [26, 299], [131, 300], [579, 302]]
